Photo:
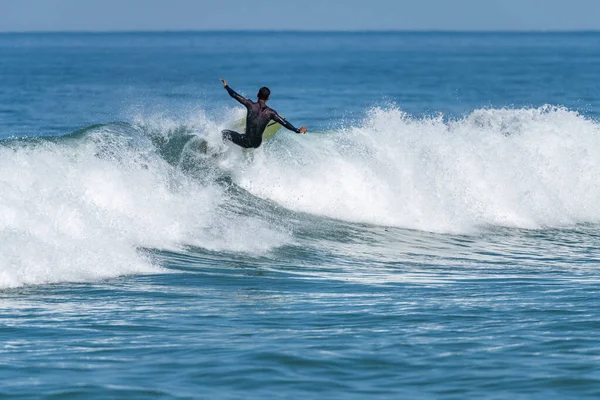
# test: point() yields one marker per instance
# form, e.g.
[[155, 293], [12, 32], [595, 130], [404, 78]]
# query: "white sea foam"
[[81, 211], [527, 168]]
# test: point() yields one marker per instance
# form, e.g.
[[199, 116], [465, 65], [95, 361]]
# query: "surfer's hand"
[[224, 82], [303, 130]]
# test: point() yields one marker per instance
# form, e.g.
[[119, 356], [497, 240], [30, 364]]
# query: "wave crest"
[[526, 168]]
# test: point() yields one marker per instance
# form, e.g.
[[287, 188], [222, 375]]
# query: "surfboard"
[[270, 131], [240, 126]]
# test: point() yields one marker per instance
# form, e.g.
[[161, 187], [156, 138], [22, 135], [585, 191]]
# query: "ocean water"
[[434, 235]]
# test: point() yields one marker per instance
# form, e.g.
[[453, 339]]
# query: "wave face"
[[86, 206], [525, 168]]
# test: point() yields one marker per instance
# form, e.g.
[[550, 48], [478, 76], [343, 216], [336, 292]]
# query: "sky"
[[173, 15]]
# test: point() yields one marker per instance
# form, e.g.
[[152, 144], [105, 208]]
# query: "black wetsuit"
[[257, 119]]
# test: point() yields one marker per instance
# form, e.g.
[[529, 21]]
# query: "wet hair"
[[264, 93]]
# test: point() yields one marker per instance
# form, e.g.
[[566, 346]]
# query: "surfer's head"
[[264, 93]]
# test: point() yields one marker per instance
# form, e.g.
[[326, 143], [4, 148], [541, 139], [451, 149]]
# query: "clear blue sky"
[[107, 15]]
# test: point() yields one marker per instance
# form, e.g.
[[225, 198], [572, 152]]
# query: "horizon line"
[[175, 31]]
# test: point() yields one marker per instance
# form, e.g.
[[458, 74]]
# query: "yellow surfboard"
[[240, 125], [270, 131]]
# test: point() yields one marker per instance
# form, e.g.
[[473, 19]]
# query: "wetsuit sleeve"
[[236, 96], [280, 120]]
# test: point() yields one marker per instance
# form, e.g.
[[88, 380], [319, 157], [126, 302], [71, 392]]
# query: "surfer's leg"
[[237, 138]]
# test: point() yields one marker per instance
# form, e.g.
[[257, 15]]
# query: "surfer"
[[257, 118]]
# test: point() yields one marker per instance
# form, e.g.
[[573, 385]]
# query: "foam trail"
[[526, 168]]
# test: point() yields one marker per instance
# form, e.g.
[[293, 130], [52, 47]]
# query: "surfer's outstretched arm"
[[235, 95], [280, 120]]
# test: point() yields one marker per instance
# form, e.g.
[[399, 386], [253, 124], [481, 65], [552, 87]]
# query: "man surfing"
[[257, 118]]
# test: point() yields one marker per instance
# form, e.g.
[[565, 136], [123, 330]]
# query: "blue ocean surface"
[[435, 234]]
